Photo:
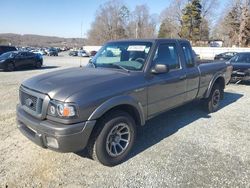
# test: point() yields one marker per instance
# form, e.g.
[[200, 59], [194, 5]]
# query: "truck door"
[[166, 90], [192, 72]]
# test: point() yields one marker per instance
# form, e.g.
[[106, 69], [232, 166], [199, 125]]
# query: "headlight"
[[63, 110]]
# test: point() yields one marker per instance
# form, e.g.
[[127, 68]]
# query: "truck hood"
[[60, 85]]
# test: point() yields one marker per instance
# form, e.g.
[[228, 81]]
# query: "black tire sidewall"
[[8, 67], [211, 107], [38, 65], [101, 152]]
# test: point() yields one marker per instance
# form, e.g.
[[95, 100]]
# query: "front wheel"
[[114, 140], [38, 65], [212, 103], [10, 67]]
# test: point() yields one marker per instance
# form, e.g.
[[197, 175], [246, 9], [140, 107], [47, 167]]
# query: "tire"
[[10, 67], [38, 64], [212, 103], [115, 128]]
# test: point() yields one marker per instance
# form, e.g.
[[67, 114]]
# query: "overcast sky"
[[60, 17]]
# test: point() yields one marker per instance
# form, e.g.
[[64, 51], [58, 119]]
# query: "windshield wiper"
[[118, 66]]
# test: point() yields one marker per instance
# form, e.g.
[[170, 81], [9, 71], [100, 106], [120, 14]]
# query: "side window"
[[167, 54], [188, 55], [30, 54], [245, 58], [22, 54]]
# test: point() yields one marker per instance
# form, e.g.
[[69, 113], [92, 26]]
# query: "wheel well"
[[132, 111], [221, 82]]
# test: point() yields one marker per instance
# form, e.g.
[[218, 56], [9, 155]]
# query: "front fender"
[[116, 101]]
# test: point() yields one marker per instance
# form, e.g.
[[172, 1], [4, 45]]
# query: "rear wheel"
[[10, 67], [115, 138], [212, 103]]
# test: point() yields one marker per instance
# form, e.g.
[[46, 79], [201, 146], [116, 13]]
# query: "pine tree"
[[166, 29], [191, 21]]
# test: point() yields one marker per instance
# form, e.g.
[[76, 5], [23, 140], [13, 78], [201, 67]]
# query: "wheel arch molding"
[[120, 102]]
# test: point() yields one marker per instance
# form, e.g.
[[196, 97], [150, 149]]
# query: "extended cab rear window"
[[188, 55]]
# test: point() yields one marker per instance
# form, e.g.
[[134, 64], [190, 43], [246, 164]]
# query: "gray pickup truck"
[[99, 107]]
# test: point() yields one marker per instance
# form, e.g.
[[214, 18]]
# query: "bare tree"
[[227, 27], [142, 24], [109, 24], [209, 9], [171, 19], [244, 32], [115, 21], [174, 12]]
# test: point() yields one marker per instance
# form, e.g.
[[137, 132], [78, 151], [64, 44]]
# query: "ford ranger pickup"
[[100, 106]]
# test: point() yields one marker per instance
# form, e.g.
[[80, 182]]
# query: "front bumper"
[[52, 135]]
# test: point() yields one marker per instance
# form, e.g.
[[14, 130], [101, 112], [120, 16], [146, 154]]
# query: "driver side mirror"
[[160, 69]]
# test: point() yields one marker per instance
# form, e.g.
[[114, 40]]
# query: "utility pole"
[[81, 31]]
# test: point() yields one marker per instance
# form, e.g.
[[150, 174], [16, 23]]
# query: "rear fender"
[[211, 84]]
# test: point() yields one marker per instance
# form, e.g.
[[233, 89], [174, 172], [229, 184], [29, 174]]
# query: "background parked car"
[[4, 49], [40, 51], [241, 66], [225, 56], [197, 56], [83, 53], [52, 52], [9, 61], [92, 53], [73, 53]]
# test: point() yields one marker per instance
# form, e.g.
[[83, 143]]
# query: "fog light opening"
[[52, 142]]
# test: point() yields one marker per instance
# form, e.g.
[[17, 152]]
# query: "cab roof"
[[153, 40]]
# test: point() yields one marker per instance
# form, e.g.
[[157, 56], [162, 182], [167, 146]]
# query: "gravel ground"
[[182, 148]]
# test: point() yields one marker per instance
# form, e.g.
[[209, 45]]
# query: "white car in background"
[[40, 52], [82, 53]]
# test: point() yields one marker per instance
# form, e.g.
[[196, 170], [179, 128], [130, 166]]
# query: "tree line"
[[195, 20], [114, 20]]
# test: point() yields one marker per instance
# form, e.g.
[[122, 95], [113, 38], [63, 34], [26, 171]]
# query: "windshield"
[[7, 55], [241, 58], [123, 55]]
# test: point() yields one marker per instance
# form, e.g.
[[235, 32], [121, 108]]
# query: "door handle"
[[182, 77]]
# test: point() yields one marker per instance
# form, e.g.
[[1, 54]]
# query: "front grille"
[[28, 100], [34, 102], [31, 101]]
